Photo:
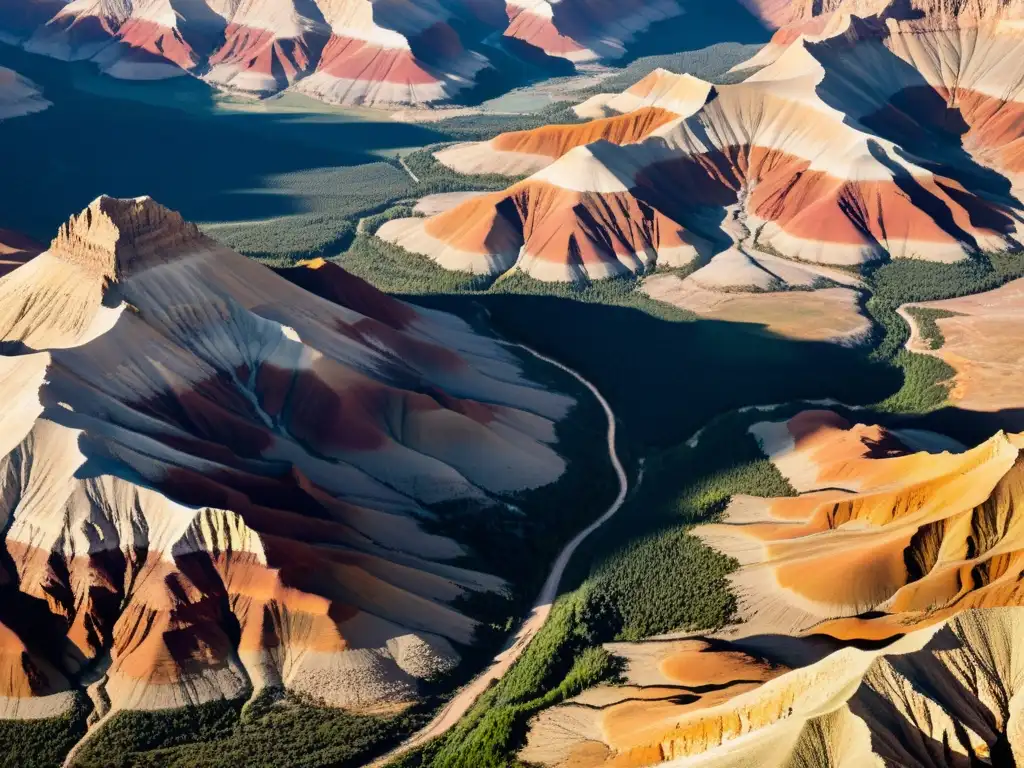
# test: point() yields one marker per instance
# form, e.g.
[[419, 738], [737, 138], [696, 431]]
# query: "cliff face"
[[112, 236], [214, 480]]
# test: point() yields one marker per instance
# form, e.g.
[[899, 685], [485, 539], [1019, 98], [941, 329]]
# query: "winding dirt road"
[[466, 696]]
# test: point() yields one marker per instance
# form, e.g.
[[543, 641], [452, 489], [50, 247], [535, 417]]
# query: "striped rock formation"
[[947, 696], [214, 479], [887, 140], [681, 94], [354, 52], [827, 18], [926, 534], [19, 96], [913, 554]]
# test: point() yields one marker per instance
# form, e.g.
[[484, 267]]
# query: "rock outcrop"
[[946, 696], [880, 619]]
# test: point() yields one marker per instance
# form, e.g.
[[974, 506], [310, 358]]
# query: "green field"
[[41, 743]]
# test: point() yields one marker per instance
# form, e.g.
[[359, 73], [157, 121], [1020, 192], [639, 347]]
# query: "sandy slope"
[[916, 552], [832, 314], [947, 696], [982, 344]]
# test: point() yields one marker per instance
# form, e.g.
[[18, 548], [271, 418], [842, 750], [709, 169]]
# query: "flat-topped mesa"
[[113, 235]]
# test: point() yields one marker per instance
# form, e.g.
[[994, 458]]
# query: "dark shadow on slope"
[[924, 200], [704, 23], [967, 426], [196, 159], [665, 379], [918, 119]]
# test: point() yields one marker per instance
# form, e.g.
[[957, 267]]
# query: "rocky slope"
[[214, 480], [340, 51], [947, 696], [879, 620], [882, 138]]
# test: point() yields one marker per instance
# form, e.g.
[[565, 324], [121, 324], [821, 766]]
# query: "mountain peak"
[[114, 234]]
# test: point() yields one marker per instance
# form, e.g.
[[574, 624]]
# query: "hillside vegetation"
[[641, 574], [904, 281], [42, 743], [925, 318]]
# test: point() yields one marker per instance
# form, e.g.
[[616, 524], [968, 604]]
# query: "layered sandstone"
[[928, 534], [880, 139], [941, 697], [352, 52], [879, 619], [575, 220], [217, 478]]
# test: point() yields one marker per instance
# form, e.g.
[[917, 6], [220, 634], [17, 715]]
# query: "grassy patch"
[[395, 270], [486, 126], [903, 281], [437, 177]]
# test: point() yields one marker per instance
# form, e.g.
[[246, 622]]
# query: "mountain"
[[577, 219], [215, 480], [353, 52], [886, 139], [927, 534]]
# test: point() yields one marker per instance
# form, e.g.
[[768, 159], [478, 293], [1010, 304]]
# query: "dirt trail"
[[407, 169], [467, 695]]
